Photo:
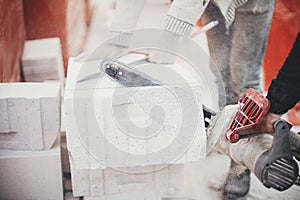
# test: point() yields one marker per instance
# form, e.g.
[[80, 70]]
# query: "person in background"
[[236, 47]]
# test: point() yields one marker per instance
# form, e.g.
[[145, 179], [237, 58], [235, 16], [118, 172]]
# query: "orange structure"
[[12, 38], [65, 19]]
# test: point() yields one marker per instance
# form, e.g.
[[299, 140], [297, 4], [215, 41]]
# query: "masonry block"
[[91, 177], [123, 116], [31, 174], [149, 186], [145, 195], [29, 115], [42, 60], [106, 182]]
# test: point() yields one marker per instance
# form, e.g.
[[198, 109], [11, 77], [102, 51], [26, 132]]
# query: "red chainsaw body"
[[253, 108]]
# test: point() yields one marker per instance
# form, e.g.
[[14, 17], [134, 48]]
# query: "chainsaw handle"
[[253, 108]]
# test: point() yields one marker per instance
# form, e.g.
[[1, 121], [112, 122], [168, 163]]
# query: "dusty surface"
[[205, 178]]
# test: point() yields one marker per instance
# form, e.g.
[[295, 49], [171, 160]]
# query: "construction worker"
[[236, 47], [284, 91]]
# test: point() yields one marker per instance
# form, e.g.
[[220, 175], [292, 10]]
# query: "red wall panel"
[[12, 37], [65, 19]]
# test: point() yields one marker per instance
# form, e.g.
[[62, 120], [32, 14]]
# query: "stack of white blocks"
[[93, 180], [30, 160], [42, 60]]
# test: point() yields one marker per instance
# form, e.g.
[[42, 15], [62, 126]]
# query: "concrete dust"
[[204, 179]]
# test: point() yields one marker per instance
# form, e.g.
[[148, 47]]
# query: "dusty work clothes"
[[284, 91], [237, 52]]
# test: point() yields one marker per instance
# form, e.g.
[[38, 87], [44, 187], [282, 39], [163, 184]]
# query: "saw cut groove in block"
[[29, 115]]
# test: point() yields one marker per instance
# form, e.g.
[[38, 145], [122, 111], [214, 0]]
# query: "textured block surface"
[[116, 128], [42, 60], [31, 174], [90, 178], [29, 115], [106, 182]]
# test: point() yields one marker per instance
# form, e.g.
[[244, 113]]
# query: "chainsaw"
[[275, 167]]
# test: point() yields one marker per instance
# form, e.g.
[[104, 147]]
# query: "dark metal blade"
[[126, 75]]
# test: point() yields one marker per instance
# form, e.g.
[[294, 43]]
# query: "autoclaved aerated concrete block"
[[31, 174], [90, 178], [107, 182], [29, 115], [167, 181], [86, 136], [42, 60]]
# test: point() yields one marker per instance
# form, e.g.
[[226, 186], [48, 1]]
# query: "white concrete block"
[[31, 174], [102, 137], [89, 152], [42, 60], [106, 182], [87, 181], [29, 115], [144, 195]]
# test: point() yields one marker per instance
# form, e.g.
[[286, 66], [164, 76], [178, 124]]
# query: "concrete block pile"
[[29, 115], [42, 60], [96, 171], [30, 155]]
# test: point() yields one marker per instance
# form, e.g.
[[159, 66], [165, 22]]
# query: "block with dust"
[[31, 174], [104, 119], [29, 115]]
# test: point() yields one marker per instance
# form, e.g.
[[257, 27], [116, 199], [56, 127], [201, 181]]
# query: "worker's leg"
[[219, 43], [244, 153], [250, 34]]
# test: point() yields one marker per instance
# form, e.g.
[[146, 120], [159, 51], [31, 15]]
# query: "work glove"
[[125, 19], [181, 18], [267, 125]]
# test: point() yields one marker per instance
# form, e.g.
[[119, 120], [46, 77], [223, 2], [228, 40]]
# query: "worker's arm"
[[183, 15], [126, 14], [180, 20], [125, 19], [284, 91]]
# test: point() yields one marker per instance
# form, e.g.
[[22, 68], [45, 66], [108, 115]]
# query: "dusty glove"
[[125, 19], [244, 152], [181, 18], [267, 125]]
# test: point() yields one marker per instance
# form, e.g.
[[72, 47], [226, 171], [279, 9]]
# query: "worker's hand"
[[267, 125]]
